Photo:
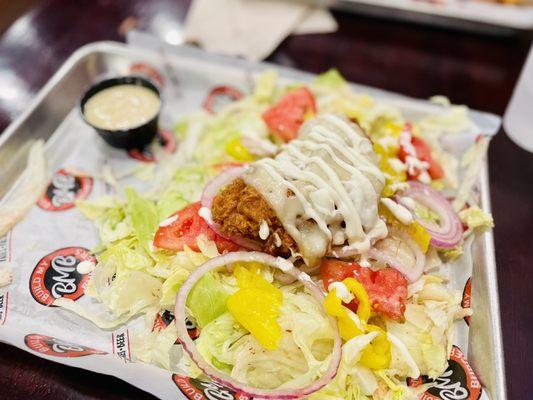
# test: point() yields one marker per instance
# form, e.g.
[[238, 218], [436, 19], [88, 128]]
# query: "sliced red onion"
[[411, 272], [448, 233], [343, 252], [188, 344], [210, 191]]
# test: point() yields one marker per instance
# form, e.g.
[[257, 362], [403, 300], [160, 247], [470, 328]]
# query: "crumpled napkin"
[[251, 28]]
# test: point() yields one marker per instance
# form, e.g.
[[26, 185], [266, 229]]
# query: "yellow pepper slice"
[[347, 327], [377, 354], [238, 151], [417, 232], [256, 306], [358, 290]]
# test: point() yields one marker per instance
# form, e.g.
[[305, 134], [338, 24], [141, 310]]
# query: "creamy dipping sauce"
[[121, 107]]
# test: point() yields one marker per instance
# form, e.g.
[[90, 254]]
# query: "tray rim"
[[460, 13], [488, 237]]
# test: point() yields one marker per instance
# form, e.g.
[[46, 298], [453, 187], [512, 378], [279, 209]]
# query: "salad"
[[296, 245]]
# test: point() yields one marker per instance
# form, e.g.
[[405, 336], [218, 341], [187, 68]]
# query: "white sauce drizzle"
[[424, 177], [388, 141], [264, 231], [401, 213], [205, 213], [341, 291], [414, 165], [277, 240], [169, 221], [408, 202], [399, 186], [397, 165], [324, 187]]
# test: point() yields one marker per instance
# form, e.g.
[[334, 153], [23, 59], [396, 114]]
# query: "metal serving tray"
[[53, 106]]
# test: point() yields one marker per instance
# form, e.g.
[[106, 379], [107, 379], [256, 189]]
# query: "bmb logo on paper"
[[465, 303], [458, 382], [166, 139], [62, 273], [56, 347], [195, 389], [64, 189], [162, 320]]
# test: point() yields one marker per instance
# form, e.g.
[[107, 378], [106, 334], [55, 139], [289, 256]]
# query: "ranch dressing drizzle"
[[359, 182], [324, 187], [320, 134]]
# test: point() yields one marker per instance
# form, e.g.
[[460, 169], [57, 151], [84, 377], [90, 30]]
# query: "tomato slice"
[[423, 152], [386, 288], [185, 230], [289, 113]]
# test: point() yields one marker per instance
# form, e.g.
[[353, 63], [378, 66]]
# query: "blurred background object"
[[11, 10], [488, 16], [518, 118], [252, 28]]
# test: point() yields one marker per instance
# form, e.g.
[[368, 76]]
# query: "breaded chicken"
[[239, 209]]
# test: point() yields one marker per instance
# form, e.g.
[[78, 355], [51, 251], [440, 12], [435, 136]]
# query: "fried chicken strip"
[[240, 210]]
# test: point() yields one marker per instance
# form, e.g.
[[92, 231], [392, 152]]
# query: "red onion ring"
[[210, 191], [411, 273], [449, 232], [227, 91], [343, 252], [190, 348]]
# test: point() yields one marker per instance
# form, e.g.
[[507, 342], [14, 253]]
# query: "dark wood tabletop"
[[469, 68]]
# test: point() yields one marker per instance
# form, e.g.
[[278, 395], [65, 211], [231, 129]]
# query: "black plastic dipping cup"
[[135, 137]]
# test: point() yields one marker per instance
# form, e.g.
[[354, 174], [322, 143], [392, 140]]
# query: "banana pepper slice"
[[377, 354], [256, 305]]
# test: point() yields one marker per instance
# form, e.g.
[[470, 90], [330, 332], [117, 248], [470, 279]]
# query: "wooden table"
[[419, 61]]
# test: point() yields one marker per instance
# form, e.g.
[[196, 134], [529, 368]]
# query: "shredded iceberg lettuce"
[[475, 218], [143, 216], [265, 87], [331, 78], [207, 300], [428, 328]]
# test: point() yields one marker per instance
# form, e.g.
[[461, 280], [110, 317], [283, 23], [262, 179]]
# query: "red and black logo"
[[64, 189], [55, 347], [61, 274], [165, 138], [195, 389], [465, 303], [165, 318], [458, 382], [147, 71], [219, 96]]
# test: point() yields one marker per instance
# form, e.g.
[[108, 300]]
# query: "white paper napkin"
[[251, 28]]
